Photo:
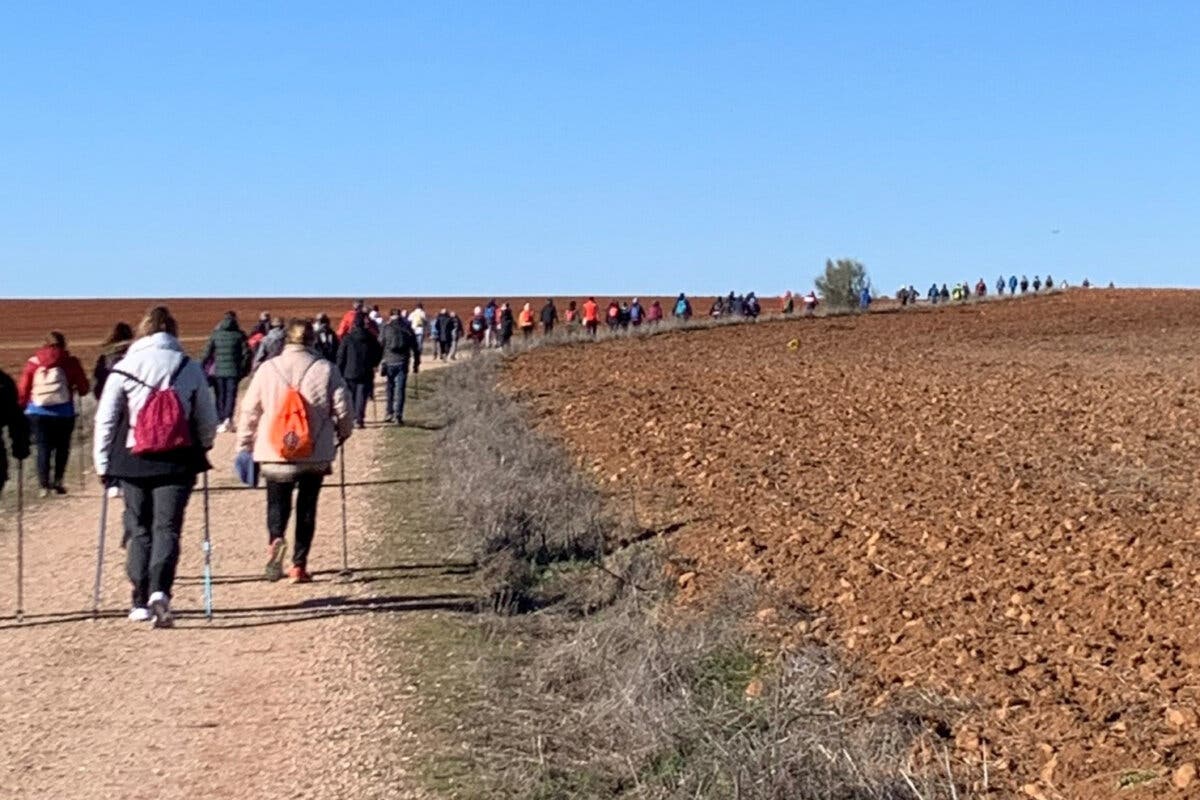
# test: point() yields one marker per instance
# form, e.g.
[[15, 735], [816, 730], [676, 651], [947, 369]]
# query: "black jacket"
[[399, 345], [358, 355], [326, 343], [104, 365], [12, 419], [443, 328], [549, 315]]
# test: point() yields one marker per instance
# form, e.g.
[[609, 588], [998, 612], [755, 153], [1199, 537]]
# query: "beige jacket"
[[330, 417]]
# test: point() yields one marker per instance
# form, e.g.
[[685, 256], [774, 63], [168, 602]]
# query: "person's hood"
[[156, 341], [52, 356], [228, 324]]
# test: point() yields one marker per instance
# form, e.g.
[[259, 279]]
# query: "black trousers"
[[154, 510], [53, 437], [279, 510], [226, 391], [360, 393]]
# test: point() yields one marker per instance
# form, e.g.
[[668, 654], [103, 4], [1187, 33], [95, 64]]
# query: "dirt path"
[[278, 697]]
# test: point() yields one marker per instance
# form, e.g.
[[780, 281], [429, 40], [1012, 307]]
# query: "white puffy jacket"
[[152, 359]]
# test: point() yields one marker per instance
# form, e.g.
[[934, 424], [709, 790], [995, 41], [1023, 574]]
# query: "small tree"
[[842, 283]]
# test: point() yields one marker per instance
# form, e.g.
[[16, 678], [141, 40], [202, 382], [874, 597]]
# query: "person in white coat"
[[156, 485]]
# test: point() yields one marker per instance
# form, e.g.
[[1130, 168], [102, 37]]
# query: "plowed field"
[[995, 504]]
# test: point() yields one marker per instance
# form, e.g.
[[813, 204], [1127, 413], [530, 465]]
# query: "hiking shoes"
[[160, 609], [388, 418], [298, 574], [60, 489], [276, 552], [140, 614]]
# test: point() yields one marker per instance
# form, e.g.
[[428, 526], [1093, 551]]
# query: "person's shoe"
[[140, 614], [224, 426], [44, 493], [60, 489], [400, 423], [298, 574], [361, 426], [160, 608], [276, 551], [388, 418]]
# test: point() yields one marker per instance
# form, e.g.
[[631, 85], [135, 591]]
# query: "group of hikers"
[[159, 411], [961, 292]]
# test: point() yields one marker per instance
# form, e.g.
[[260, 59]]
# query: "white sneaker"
[[223, 427], [160, 607], [140, 614]]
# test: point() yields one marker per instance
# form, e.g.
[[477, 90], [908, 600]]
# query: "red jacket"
[[348, 322], [50, 357]]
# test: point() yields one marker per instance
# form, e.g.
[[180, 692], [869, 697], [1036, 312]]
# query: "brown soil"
[[997, 503], [287, 693], [86, 323]]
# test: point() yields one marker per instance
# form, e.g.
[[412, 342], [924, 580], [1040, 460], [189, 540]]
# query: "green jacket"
[[228, 351]]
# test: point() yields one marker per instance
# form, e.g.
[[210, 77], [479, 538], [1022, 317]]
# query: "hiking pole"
[[82, 447], [20, 541], [345, 573], [208, 605], [100, 554]]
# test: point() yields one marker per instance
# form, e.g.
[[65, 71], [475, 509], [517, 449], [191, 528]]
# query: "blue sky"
[[174, 149]]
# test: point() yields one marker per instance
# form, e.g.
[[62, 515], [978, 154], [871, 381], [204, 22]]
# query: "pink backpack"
[[162, 425]]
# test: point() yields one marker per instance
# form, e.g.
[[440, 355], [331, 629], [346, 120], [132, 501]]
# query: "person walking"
[[436, 334], [399, 351], [358, 355], [683, 308], [46, 391], [478, 330], [549, 317], [789, 302], [155, 458], [13, 421], [445, 333], [526, 321], [613, 315], [1024, 284], [637, 314], [1037, 284], [325, 341], [456, 333], [489, 314], [228, 351], [271, 345], [417, 320], [655, 315], [591, 316], [295, 467], [112, 350], [505, 324]]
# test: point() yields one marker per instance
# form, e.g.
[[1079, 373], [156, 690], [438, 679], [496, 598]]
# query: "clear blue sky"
[[168, 149]]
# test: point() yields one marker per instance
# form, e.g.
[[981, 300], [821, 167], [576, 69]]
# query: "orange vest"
[[591, 312]]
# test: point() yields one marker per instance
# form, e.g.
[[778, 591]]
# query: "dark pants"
[[397, 383], [53, 437], [153, 521], [226, 390], [279, 510], [360, 393]]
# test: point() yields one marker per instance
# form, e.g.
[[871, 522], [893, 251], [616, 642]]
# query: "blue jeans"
[[397, 383]]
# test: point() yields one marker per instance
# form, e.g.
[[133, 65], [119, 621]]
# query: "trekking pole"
[[82, 447], [100, 554], [20, 541], [345, 536], [208, 589]]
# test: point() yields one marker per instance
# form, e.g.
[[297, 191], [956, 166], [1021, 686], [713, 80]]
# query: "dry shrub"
[[522, 502], [654, 702]]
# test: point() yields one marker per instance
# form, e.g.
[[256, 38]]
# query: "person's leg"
[[169, 504], [41, 435], [279, 509], [360, 402], [389, 378], [63, 428], [401, 381], [306, 516], [139, 519]]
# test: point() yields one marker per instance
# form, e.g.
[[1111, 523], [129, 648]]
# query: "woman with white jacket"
[[156, 485], [330, 421]]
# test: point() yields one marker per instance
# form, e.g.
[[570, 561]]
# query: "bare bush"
[[522, 502]]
